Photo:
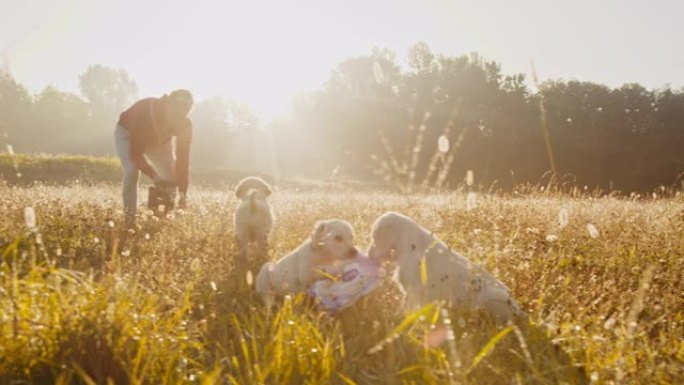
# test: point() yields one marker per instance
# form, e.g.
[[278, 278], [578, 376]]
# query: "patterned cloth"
[[357, 278]]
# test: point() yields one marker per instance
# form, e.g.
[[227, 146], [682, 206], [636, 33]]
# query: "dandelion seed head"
[[461, 322], [439, 95], [30, 217], [592, 230], [195, 265], [594, 377], [471, 201], [443, 144], [563, 218]]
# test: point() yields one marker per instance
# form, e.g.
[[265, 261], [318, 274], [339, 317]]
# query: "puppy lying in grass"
[[332, 240], [253, 219], [430, 271]]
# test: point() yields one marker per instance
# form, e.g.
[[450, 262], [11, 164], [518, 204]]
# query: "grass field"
[[84, 300]]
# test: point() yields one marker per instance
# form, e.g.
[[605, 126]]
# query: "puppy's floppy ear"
[[267, 190], [241, 189], [317, 235], [252, 183]]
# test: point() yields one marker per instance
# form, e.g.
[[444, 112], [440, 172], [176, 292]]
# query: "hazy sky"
[[262, 52]]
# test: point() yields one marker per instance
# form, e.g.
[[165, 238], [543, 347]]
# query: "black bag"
[[161, 197]]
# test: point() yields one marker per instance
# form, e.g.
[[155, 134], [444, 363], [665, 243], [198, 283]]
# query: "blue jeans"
[[162, 158]]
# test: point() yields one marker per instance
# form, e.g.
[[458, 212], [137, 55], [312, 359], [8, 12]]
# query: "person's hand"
[[165, 184]]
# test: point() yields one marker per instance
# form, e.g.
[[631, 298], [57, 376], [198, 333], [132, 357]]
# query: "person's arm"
[[136, 150], [183, 141], [134, 120]]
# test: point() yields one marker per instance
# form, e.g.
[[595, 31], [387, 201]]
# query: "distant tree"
[[217, 122], [624, 138], [421, 58], [63, 123], [15, 113], [399, 119], [108, 90], [373, 117], [359, 101]]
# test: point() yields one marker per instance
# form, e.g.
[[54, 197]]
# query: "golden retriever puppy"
[[429, 271], [253, 219], [332, 240]]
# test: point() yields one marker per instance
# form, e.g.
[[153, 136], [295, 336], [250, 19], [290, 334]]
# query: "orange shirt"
[[147, 127]]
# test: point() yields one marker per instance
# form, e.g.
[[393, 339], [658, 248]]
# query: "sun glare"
[[263, 64], [257, 55]]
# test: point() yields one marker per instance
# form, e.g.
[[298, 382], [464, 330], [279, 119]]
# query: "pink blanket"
[[357, 278]]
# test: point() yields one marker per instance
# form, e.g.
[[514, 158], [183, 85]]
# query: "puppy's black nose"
[[353, 252]]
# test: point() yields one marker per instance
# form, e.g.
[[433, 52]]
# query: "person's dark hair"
[[181, 98]]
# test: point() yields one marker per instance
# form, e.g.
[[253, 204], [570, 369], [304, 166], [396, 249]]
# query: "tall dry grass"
[[84, 300]]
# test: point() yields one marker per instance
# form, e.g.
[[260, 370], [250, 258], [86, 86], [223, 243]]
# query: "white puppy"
[[428, 270], [253, 219], [332, 240]]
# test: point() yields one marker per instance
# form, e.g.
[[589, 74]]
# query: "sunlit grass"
[[84, 299]]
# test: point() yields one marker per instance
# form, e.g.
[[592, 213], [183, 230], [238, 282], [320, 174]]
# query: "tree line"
[[423, 125]]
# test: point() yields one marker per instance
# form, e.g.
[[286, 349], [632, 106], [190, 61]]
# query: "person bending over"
[[144, 142]]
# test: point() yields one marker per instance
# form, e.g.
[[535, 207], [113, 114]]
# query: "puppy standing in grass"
[[429, 270], [331, 241], [253, 219]]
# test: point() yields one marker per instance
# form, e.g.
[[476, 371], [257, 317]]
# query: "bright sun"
[[250, 53], [247, 61]]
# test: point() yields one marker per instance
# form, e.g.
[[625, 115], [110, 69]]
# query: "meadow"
[[83, 299]]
